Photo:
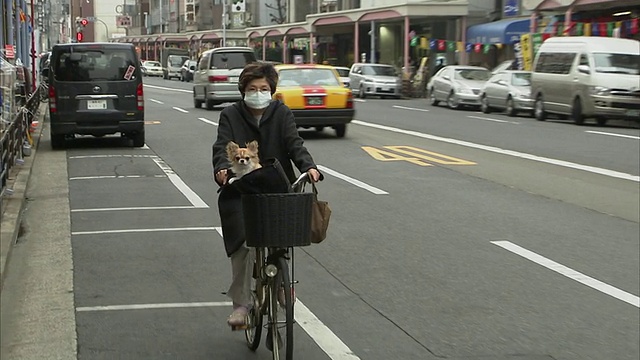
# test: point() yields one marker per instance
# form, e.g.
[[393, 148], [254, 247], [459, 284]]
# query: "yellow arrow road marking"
[[430, 155]]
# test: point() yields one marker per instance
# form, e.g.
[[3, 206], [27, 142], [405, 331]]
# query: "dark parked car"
[[95, 89]]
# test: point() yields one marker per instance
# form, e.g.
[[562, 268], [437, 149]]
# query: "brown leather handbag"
[[320, 215]]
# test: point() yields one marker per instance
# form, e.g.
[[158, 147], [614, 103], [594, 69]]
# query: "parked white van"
[[587, 77]]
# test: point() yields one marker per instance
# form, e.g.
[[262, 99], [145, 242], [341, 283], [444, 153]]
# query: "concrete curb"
[[14, 205]]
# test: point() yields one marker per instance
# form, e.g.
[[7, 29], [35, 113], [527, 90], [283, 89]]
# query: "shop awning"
[[505, 31]]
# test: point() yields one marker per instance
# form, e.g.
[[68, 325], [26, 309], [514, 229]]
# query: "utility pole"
[[224, 23], [161, 18]]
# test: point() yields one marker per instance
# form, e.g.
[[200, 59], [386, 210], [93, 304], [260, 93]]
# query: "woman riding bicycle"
[[272, 125]]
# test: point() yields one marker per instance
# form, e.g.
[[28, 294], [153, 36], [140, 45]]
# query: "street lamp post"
[[224, 23]]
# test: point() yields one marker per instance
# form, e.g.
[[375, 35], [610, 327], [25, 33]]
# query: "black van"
[[95, 89]]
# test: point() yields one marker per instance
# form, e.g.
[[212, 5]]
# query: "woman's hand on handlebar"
[[314, 175], [222, 177]]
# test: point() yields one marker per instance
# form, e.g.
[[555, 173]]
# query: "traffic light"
[[79, 36], [239, 6]]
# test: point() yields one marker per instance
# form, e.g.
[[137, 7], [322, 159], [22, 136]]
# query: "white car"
[[152, 68], [344, 75]]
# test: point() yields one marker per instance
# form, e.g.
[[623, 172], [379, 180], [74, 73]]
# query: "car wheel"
[[319, 128], [484, 105], [341, 130], [197, 103], [138, 139], [210, 104], [57, 141], [361, 93], [181, 78], [538, 109], [452, 102], [576, 112], [511, 108], [432, 98]]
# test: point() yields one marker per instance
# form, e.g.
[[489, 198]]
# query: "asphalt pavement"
[[454, 235]]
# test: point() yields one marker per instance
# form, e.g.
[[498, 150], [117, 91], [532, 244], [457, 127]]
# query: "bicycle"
[[283, 223]]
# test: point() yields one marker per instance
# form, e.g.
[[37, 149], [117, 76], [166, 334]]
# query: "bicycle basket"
[[277, 220]]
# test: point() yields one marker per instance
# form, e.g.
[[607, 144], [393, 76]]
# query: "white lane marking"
[[134, 208], [180, 109], [491, 119], [208, 121], [409, 108], [592, 169], [168, 89], [359, 100], [127, 231], [156, 101], [154, 306], [614, 134], [145, 147], [570, 273], [219, 231], [111, 156], [353, 181], [321, 334], [178, 183], [115, 177]]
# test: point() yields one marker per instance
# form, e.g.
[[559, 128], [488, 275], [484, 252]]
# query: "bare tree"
[[281, 8]]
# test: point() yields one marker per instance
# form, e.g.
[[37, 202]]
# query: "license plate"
[[97, 104], [314, 101], [633, 112]]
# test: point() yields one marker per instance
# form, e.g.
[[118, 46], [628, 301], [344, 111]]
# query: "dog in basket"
[[243, 160]]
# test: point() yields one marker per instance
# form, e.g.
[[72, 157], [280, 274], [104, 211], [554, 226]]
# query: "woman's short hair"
[[258, 70]]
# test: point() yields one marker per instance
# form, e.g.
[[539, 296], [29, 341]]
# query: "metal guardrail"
[[14, 139]]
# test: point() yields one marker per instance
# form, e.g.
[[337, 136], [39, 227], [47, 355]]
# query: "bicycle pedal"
[[239, 327]]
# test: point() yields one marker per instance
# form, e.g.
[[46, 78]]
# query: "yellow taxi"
[[316, 96]]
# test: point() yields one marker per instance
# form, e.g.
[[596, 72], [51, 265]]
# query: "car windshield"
[[473, 74], [302, 77], [176, 60], [521, 79], [379, 70], [231, 60], [343, 72], [152, 64], [88, 64], [617, 63]]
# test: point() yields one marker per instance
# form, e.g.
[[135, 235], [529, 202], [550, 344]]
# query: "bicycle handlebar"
[[300, 181]]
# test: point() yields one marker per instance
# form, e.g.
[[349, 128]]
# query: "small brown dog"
[[243, 160]]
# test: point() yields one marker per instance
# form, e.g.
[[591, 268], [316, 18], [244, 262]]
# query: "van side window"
[[555, 63], [584, 60], [204, 63]]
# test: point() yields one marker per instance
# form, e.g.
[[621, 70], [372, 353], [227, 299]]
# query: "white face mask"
[[257, 99]]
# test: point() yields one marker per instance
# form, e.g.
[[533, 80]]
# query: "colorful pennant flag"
[[634, 26], [587, 29], [477, 48], [468, 47], [441, 45], [451, 46], [486, 48]]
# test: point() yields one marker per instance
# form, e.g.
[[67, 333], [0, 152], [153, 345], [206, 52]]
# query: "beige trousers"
[[241, 276]]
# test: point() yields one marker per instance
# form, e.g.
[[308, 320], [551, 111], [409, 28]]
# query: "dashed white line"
[[567, 164], [156, 101], [614, 134], [180, 109], [177, 182], [128, 231], [359, 100], [353, 181], [329, 342], [491, 119], [409, 108], [208, 121], [168, 89], [111, 156], [115, 177], [135, 208], [153, 306], [570, 273]]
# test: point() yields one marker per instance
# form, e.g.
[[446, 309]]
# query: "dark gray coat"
[[277, 137]]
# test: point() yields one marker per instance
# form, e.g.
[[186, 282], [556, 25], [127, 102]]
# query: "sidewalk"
[[37, 318]]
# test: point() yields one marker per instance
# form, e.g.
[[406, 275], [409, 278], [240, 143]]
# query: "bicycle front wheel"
[[254, 324], [280, 332]]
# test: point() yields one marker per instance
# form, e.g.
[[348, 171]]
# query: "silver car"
[[375, 79], [343, 72], [458, 85], [215, 80], [509, 90]]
